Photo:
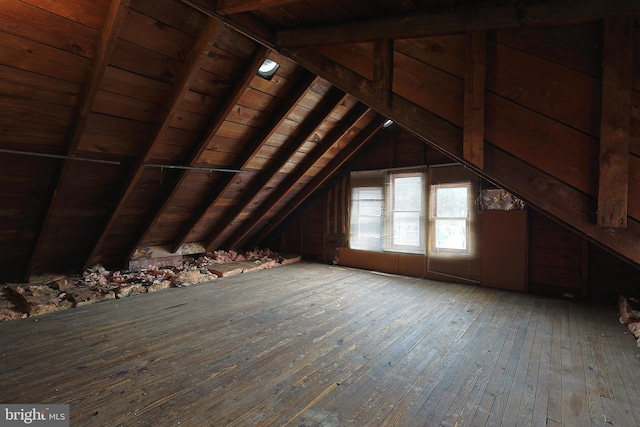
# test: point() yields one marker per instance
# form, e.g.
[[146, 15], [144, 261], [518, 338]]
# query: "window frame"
[[434, 218], [390, 218]]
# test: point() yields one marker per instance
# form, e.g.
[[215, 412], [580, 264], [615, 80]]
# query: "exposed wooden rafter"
[[191, 68], [227, 7], [310, 124], [474, 87], [617, 76], [244, 23], [258, 142], [294, 178], [110, 30], [487, 15], [358, 143], [200, 146]]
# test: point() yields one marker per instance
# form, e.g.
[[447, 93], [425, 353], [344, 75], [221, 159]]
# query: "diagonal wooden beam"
[[108, 38], [400, 110], [294, 178], [203, 141], [615, 122], [258, 142], [308, 127], [191, 69], [494, 15], [351, 150], [227, 7], [474, 87], [244, 23]]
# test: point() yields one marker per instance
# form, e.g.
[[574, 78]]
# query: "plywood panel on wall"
[[503, 250]]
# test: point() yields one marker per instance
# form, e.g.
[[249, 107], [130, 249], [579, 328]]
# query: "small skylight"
[[387, 123], [268, 69]]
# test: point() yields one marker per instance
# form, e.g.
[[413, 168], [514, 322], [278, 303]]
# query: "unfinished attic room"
[[320, 213]]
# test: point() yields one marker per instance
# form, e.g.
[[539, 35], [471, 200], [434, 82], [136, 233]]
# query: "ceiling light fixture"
[[388, 123], [268, 69]]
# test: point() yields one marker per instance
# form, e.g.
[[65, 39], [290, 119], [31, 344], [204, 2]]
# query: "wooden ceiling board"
[[176, 14], [117, 105], [113, 138], [19, 19], [133, 85], [199, 103], [248, 116], [151, 34], [137, 59], [87, 12], [38, 58], [234, 43], [26, 84], [81, 203]]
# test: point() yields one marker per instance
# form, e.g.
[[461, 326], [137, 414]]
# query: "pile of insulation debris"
[[50, 293], [630, 315]]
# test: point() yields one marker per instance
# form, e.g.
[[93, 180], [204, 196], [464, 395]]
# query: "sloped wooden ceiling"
[[111, 91]]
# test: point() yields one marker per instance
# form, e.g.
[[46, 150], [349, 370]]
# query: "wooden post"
[[615, 121], [383, 70], [474, 87]]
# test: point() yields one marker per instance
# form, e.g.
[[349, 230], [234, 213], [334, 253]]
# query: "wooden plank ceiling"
[[112, 90]]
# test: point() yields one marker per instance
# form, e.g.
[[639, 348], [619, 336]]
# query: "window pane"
[[366, 234], [407, 194], [406, 232], [368, 193], [366, 224], [451, 202], [406, 228], [451, 234]]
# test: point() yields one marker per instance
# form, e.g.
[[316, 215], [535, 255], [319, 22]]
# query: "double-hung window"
[[450, 218], [406, 212]]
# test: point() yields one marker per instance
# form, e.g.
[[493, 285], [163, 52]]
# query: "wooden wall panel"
[[503, 249], [556, 258], [609, 276], [559, 150], [578, 47], [565, 94], [531, 132]]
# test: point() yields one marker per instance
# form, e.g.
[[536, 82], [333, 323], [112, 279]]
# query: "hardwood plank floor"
[[315, 345]]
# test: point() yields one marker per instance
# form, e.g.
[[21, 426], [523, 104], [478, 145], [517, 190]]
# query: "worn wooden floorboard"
[[315, 345]]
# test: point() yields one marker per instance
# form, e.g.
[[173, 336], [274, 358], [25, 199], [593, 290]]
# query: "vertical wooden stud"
[[383, 70], [617, 60], [474, 87]]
